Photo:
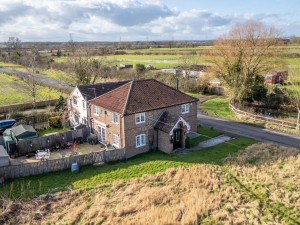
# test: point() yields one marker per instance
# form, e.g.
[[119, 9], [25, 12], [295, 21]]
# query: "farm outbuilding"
[[4, 157]]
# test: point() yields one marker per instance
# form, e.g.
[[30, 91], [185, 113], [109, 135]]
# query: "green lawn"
[[51, 130], [13, 91], [207, 133], [218, 107], [147, 163], [195, 95]]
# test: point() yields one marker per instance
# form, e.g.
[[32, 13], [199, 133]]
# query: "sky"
[[140, 20]]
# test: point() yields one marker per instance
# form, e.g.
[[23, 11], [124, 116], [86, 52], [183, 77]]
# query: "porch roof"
[[167, 123]]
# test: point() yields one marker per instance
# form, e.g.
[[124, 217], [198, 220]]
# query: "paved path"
[[42, 80], [232, 128], [214, 141]]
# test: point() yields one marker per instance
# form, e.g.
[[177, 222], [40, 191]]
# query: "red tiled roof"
[[141, 96], [114, 100]]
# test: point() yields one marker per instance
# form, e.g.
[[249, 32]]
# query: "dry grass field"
[[260, 185]]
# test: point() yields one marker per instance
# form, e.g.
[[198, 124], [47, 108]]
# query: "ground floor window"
[[76, 118], [140, 140], [116, 140]]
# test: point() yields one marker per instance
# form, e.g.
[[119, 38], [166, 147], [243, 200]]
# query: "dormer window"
[[185, 108], [140, 118]]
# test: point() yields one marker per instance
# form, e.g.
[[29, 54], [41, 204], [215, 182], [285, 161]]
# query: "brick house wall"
[[104, 118], [132, 129]]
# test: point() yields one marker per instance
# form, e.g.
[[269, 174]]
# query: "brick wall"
[[104, 119], [132, 129]]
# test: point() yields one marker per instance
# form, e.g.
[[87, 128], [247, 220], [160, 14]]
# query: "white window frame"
[[75, 100], [115, 117], [185, 108], [96, 110], [140, 140], [140, 118], [83, 104], [84, 121], [116, 140]]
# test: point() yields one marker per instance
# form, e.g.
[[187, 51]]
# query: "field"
[[218, 107], [13, 91], [158, 61], [259, 185]]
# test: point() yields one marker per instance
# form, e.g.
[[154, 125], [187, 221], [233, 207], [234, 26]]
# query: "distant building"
[[276, 77], [125, 66]]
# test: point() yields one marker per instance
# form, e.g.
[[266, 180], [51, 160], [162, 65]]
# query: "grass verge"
[[218, 107], [147, 163]]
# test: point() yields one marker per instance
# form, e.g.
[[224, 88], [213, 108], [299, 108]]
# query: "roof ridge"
[[110, 91], [128, 96]]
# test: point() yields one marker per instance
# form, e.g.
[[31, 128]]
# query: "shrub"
[[189, 143], [55, 122]]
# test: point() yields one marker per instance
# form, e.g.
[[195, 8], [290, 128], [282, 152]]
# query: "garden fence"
[[27, 169]]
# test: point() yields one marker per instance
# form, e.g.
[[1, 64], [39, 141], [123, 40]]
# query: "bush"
[[55, 122], [189, 143]]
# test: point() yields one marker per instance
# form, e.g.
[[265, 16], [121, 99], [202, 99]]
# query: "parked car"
[[5, 124]]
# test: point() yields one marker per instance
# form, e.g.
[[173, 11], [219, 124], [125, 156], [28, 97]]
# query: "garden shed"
[[4, 157], [23, 132]]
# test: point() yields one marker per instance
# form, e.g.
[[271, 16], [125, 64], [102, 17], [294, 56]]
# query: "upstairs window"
[[83, 104], [96, 110], [140, 118], [74, 100], [115, 117], [185, 108]]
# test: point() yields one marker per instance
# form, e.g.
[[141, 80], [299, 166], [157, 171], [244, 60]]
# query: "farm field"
[[13, 91], [158, 61], [256, 185]]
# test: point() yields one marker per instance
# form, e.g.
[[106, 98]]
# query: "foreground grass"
[[218, 107], [258, 185], [89, 176]]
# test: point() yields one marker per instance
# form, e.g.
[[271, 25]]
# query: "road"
[[257, 133]]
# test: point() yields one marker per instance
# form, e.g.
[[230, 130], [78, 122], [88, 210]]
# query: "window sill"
[[140, 146]]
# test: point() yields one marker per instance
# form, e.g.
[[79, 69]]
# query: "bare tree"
[[88, 69], [14, 49], [31, 60], [242, 56]]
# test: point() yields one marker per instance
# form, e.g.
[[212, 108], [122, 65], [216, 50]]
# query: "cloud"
[[45, 20]]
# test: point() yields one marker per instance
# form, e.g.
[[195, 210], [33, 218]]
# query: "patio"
[[81, 149]]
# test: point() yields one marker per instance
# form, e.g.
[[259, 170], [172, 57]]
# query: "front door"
[[101, 134], [177, 139]]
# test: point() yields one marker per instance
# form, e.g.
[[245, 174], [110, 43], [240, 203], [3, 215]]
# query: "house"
[[142, 115], [77, 101]]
